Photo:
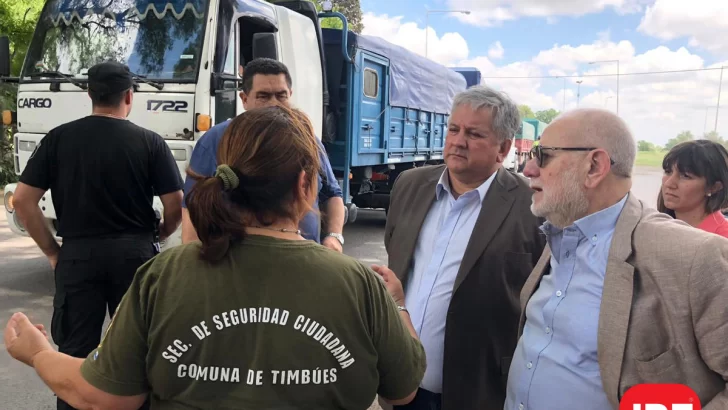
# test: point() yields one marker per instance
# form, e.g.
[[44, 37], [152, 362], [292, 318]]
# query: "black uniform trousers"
[[424, 400], [92, 275]]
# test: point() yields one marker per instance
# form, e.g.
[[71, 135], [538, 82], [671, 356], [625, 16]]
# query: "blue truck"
[[390, 112], [472, 75]]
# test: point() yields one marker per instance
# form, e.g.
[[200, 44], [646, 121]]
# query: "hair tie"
[[228, 176]]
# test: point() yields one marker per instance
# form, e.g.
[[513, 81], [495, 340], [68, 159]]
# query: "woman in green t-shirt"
[[251, 317]]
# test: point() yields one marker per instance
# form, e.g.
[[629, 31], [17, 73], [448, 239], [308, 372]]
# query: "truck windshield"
[[157, 39]]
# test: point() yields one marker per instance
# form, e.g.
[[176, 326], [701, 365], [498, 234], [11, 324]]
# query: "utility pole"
[[578, 92], [717, 105], [563, 104], [611, 61]]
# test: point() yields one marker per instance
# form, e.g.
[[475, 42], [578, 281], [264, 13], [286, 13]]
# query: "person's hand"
[[53, 260], [24, 340], [332, 243], [393, 284]]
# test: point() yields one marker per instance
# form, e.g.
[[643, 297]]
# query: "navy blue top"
[[204, 162]]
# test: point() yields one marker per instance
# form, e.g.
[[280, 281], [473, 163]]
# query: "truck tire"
[[350, 213]]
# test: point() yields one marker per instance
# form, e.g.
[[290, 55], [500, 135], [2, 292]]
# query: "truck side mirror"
[[4, 56], [264, 45]]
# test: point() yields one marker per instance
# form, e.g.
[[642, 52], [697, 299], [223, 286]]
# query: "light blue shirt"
[[440, 248], [555, 363]]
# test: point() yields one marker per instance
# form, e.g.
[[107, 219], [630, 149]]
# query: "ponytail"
[[214, 216]]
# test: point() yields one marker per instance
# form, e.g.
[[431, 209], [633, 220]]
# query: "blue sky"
[[645, 35], [515, 36]]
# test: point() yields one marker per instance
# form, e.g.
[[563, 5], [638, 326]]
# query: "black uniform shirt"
[[103, 173]]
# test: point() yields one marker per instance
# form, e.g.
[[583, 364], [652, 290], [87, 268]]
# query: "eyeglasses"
[[538, 152]]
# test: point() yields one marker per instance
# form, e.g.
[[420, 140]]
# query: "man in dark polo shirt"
[[103, 172], [267, 82]]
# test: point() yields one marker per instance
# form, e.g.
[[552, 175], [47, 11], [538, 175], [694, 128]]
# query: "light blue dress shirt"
[[555, 363], [440, 248]]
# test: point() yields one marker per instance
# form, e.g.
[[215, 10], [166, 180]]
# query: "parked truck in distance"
[[378, 108], [472, 75], [538, 126], [523, 142]]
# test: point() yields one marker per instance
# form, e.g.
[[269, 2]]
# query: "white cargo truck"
[[185, 55]]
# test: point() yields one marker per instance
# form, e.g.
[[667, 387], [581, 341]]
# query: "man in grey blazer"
[[622, 295], [463, 240]]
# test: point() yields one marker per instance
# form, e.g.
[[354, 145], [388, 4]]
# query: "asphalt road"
[[26, 284]]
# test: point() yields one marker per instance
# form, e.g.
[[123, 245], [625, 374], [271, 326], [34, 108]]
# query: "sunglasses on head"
[[537, 152]]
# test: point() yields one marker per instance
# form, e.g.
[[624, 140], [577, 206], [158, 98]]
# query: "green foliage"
[[351, 9], [544, 116], [646, 146], [715, 137], [526, 112], [682, 137], [7, 161], [547, 115], [17, 21]]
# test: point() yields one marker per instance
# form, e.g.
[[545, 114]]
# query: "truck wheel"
[[350, 213]]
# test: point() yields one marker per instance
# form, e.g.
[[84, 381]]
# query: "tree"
[[547, 115], [682, 137], [351, 9], [17, 21], [526, 112], [646, 146], [715, 137]]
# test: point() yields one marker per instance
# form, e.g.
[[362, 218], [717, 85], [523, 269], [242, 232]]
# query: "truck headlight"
[[26, 146], [9, 202], [179, 154]]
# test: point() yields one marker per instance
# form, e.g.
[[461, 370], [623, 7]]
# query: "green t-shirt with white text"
[[276, 324]]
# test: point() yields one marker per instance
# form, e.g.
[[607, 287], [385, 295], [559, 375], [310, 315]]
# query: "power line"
[[607, 75]]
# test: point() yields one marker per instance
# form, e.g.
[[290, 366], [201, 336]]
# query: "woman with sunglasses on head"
[[695, 185], [254, 316]]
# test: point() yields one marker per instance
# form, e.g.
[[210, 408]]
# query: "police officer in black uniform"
[[103, 172]]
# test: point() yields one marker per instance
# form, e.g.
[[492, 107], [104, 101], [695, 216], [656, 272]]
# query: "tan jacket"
[[664, 311]]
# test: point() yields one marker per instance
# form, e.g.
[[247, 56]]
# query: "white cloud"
[[496, 51], [604, 35], [568, 57], [492, 12], [704, 22], [522, 91], [445, 49], [657, 106]]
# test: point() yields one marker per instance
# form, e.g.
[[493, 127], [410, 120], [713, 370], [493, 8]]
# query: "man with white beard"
[[622, 295]]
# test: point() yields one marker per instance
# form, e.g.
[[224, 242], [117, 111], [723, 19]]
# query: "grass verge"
[[650, 158]]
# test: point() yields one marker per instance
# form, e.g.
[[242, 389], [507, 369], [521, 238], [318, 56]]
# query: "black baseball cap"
[[109, 78]]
